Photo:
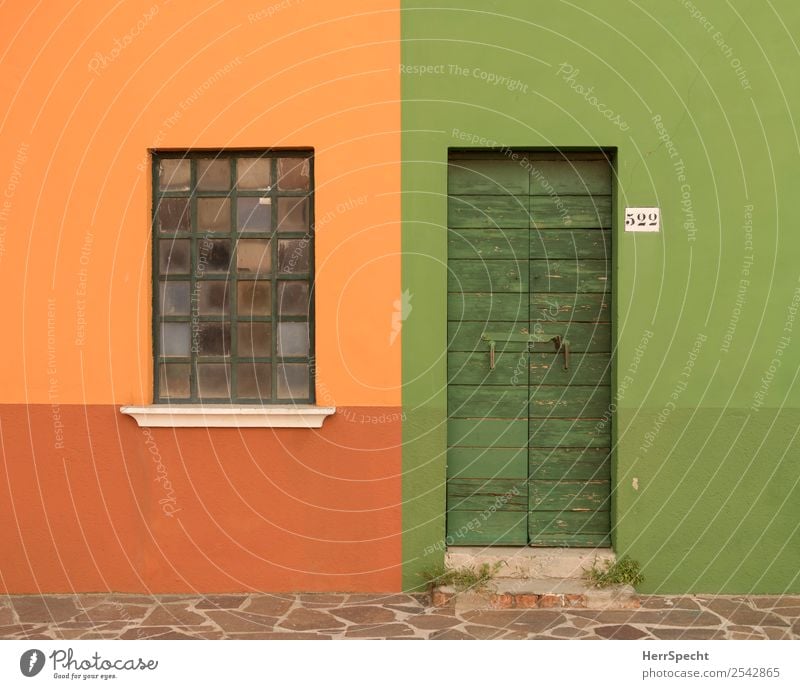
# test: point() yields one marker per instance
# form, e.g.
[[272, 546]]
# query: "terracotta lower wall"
[[92, 502]]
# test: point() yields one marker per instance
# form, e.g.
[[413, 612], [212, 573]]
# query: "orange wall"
[[124, 508], [74, 141]]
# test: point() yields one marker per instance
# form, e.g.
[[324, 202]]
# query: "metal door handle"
[[561, 344]]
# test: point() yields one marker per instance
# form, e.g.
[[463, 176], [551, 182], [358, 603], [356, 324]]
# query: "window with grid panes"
[[233, 295]]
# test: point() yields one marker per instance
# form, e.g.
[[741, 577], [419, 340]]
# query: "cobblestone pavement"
[[390, 616]]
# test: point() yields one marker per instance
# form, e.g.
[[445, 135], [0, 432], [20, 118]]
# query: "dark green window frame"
[[258, 369]]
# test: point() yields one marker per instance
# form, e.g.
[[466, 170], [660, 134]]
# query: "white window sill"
[[229, 415]]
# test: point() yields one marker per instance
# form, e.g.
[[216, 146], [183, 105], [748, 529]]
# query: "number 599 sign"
[[642, 219]]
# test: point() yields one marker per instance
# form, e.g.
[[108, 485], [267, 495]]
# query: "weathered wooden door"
[[529, 350]]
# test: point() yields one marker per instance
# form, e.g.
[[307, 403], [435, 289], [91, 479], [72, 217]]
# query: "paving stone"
[[412, 609], [685, 634], [112, 611], [741, 613], [620, 631], [144, 632], [481, 632], [740, 629], [568, 632], [322, 599], [222, 602], [7, 616], [671, 618], [791, 613], [173, 614], [535, 621], [47, 609], [274, 606], [236, 621], [280, 635], [515, 635], [777, 633], [669, 603], [762, 602], [450, 635], [365, 614], [304, 619], [174, 634], [433, 621], [381, 599], [381, 631]]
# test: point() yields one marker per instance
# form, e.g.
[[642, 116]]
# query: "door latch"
[[560, 343]]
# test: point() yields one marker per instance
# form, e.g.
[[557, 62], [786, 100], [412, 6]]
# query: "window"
[[232, 265]]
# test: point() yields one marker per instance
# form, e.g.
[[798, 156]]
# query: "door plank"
[[564, 177], [482, 176], [487, 211], [486, 306], [561, 522], [488, 244], [559, 306], [466, 337], [467, 368], [572, 541], [569, 463], [584, 275], [487, 276], [582, 337], [487, 494], [571, 244], [487, 433], [569, 495], [567, 433], [568, 401], [477, 528], [478, 401], [574, 212], [584, 369], [494, 462]]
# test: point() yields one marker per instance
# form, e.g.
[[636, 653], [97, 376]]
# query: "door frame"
[[424, 351]]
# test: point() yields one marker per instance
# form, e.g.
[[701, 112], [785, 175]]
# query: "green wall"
[[707, 466]]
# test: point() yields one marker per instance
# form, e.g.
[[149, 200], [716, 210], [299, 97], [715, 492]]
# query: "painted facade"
[[694, 99]]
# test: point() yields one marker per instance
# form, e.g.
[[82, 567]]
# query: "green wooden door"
[[529, 259]]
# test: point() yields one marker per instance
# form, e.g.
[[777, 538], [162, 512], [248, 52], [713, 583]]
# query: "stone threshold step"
[[510, 594], [529, 563]]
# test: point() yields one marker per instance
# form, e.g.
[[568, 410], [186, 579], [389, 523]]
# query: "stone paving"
[[390, 616]]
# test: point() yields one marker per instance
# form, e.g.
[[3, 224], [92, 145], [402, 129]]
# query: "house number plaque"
[[642, 219]]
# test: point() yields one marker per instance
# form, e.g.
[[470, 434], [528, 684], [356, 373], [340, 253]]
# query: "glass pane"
[[293, 255], [173, 381], [214, 380], [293, 174], [174, 174], [292, 215], [214, 215], [173, 298], [254, 298], [293, 298], [174, 339], [173, 215], [293, 381], [213, 339], [254, 339], [173, 256], [212, 297], [213, 174], [292, 339], [254, 173], [254, 214], [213, 255], [253, 256], [254, 380]]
